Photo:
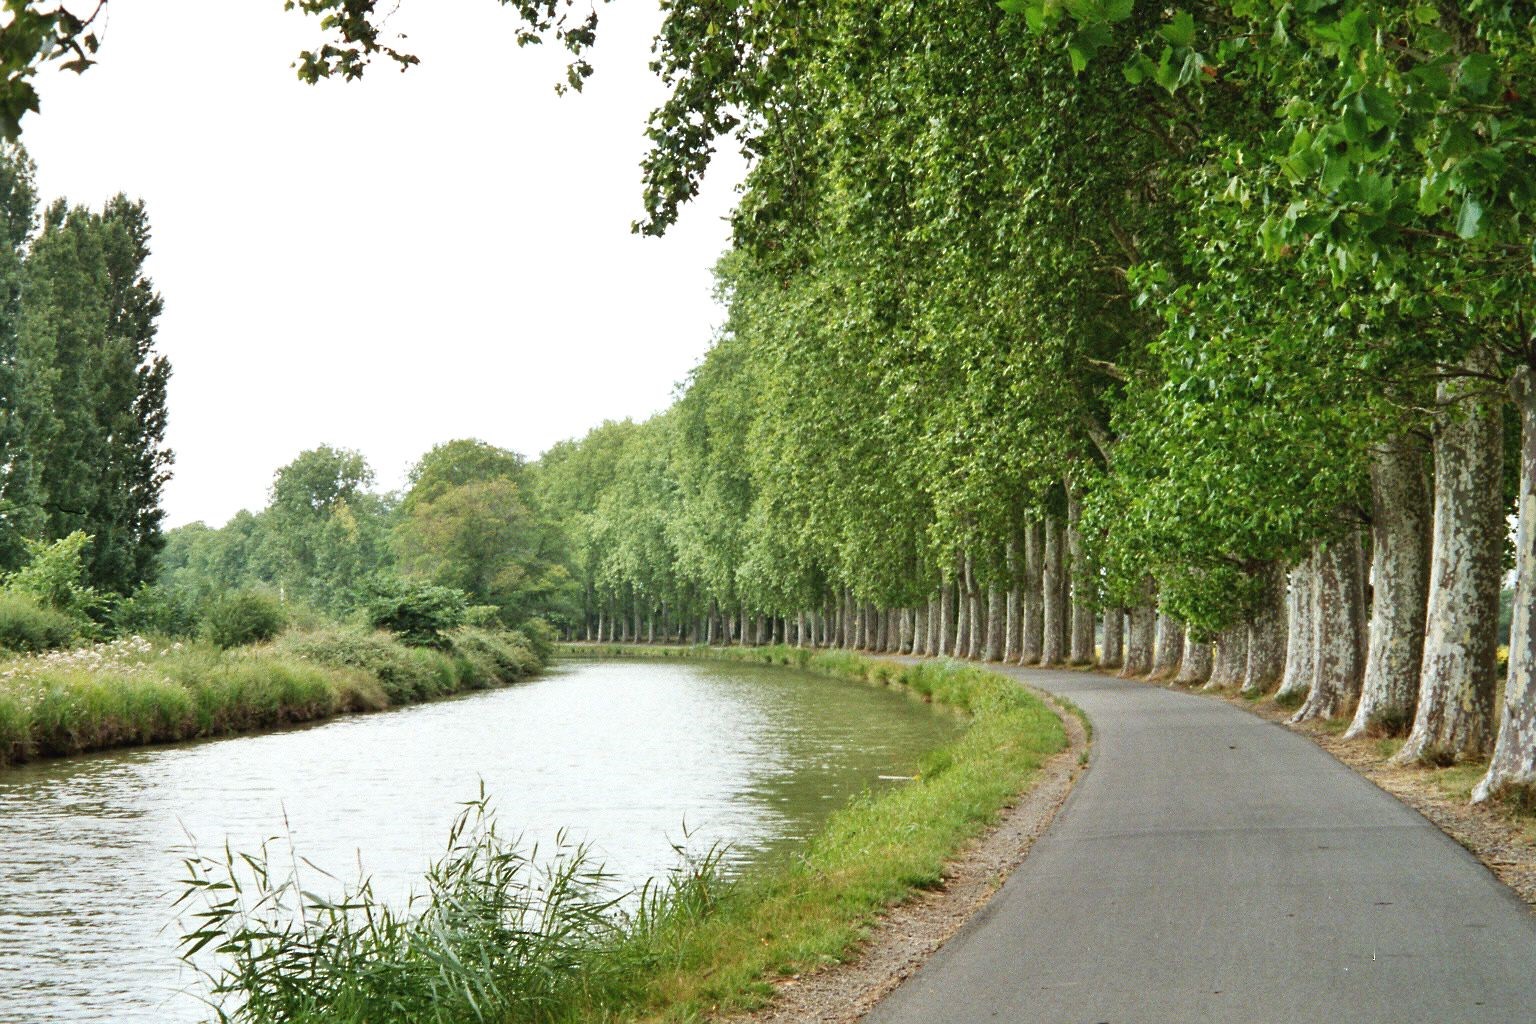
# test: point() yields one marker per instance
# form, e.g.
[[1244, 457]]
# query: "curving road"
[[1212, 866]]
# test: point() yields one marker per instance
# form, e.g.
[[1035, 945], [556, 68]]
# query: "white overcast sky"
[[390, 263]]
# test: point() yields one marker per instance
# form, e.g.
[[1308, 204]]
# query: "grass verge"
[[492, 923], [137, 691]]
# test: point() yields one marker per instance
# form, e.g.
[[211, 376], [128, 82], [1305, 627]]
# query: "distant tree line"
[[330, 545]]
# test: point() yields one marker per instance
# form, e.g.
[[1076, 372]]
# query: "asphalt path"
[[1213, 866]]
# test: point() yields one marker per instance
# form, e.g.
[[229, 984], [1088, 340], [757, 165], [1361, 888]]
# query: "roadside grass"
[[138, 690], [689, 947]]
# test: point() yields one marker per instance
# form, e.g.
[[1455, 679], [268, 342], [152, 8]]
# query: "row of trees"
[[1208, 325], [82, 391], [329, 542]]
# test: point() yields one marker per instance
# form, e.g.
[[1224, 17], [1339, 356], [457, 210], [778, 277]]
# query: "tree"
[[90, 392], [326, 530], [483, 539]]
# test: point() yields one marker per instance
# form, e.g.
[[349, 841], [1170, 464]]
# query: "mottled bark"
[[947, 619], [935, 618], [1080, 646], [973, 616], [1400, 574], [1012, 623], [962, 647], [1140, 641], [1229, 661], [1339, 620], [1196, 666], [1267, 636], [1054, 651], [993, 649], [979, 625], [1457, 685], [1168, 649], [1032, 641], [1114, 638], [1512, 771], [1301, 631]]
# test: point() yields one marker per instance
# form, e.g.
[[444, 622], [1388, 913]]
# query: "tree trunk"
[[996, 624], [1266, 636], [962, 648], [979, 624], [1195, 668], [1457, 685], [1400, 574], [1512, 771], [1083, 590], [1114, 638], [1301, 631], [1140, 643], [1169, 648], [1338, 666], [1229, 662], [933, 646], [1032, 642], [947, 619], [1054, 651]]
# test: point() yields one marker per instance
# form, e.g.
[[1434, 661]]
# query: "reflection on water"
[[622, 754]]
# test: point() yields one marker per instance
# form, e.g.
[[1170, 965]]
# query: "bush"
[[487, 616], [537, 637], [26, 625], [406, 674], [492, 656], [54, 576], [157, 611], [419, 614], [243, 617]]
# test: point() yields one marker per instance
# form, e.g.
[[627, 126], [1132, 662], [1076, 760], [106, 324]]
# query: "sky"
[[389, 263]]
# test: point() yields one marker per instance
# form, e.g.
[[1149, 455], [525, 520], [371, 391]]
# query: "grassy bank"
[[690, 948], [137, 691]]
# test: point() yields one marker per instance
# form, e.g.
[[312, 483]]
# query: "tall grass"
[[498, 938], [137, 691]]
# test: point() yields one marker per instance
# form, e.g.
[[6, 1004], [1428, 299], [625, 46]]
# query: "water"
[[622, 754]]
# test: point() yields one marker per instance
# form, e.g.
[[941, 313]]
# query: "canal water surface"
[[624, 755]]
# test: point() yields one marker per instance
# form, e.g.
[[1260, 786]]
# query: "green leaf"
[[1477, 72], [1470, 220], [1181, 30]]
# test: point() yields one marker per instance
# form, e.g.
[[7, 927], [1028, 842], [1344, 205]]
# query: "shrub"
[[243, 617], [419, 614], [152, 610], [487, 616], [26, 625], [406, 674], [537, 637], [54, 576], [496, 655]]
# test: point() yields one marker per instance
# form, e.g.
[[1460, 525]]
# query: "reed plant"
[[501, 932]]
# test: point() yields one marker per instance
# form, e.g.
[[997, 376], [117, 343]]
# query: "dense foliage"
[[1051, 312], [82, 392]]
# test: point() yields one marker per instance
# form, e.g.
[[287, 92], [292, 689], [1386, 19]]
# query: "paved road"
[[1212, 866]]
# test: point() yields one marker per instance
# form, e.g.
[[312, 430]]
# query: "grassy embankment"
[[690, 948], [136, 691]]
